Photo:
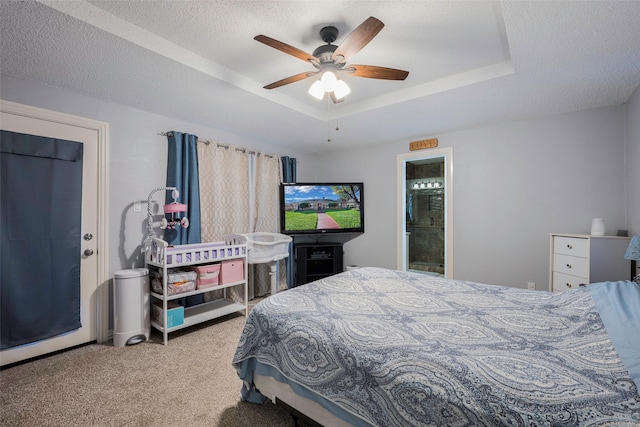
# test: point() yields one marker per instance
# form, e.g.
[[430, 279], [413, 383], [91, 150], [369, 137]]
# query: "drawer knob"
[[570, 246], [569, 266], [568, 285]]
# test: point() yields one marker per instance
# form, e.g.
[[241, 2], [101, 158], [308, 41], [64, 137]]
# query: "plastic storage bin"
[[131, 323]]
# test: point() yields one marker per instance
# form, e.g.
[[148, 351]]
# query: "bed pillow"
[[619, 306]]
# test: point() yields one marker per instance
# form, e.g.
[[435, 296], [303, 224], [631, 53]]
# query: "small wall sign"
[[422, 144]]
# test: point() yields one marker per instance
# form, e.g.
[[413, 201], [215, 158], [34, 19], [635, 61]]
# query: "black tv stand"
[[315, 261]]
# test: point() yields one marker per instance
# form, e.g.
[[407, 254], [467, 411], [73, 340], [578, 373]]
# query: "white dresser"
[[577, 259]]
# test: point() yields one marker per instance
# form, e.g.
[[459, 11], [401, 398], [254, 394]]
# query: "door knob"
[[88, 252]]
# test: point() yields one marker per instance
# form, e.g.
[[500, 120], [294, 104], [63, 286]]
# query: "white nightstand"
[[577, 259]]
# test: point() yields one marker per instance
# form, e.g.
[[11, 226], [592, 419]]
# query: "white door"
[[50, 125]]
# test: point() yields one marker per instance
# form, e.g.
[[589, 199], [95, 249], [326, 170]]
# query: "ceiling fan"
[[329, 60]]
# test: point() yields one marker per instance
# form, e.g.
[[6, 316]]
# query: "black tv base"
[[315, 261]]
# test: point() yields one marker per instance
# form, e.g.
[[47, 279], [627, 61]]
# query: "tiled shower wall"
[[426, 225]]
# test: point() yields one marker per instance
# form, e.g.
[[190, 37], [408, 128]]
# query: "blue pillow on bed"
[[619, 306]]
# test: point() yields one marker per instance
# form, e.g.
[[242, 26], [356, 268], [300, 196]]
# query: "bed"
[[378, 347]]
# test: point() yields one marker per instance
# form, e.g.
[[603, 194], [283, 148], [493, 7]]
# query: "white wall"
[[138, 157], [514, 183], [632, 158]]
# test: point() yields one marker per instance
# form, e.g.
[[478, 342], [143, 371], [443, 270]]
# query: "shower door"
[[32, 121], [425, 212]]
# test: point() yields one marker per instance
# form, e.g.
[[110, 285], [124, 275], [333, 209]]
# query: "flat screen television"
[[319, 208]]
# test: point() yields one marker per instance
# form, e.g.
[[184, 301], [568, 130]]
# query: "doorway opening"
[[425, 213]]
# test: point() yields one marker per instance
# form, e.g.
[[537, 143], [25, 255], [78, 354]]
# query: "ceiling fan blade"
[[358, 38], [375, 72], [283, 47], [291, 79]]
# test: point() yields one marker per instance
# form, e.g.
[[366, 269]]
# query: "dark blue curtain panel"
[[40, 232]]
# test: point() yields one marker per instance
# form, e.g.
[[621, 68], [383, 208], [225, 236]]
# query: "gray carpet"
[[190, 382]]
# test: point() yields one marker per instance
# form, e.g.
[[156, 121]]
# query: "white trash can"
[[131, 320]]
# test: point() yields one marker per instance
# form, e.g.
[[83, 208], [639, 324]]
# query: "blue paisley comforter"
[[393, 348]]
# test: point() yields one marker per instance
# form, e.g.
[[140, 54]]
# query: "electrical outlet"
[[531, 286], [137, 207]]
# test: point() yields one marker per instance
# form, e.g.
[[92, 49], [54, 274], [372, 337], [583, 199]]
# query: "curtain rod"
[[225, 146]]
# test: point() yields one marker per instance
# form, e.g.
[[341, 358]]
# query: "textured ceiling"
[[469, 63]]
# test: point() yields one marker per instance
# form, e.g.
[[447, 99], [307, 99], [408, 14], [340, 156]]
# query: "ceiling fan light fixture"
[[341, 89], [317, 90], [329, 83], [329, 59]]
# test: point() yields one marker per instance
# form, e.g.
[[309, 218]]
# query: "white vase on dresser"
[[577, 259], [597, 227]]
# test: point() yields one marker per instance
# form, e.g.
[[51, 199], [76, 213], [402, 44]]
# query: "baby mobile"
[[171, 219]]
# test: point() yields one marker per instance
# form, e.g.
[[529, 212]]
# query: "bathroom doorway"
[[424, 212]]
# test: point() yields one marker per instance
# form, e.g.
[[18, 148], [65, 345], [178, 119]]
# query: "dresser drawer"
[[566, 282], [572, 265], [571, 246]]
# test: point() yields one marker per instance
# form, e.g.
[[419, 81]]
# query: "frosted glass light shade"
[[317, 90], [340, 89], [329, 83], [328, 80]]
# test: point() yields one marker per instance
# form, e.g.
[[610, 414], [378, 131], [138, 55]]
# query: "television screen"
[[310, 208]]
